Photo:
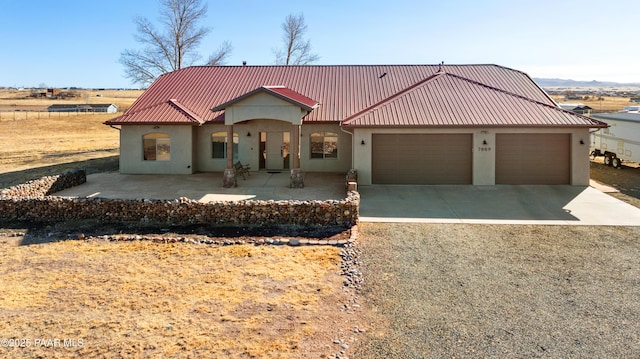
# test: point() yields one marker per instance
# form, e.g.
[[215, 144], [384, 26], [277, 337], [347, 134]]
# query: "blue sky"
[[78, 43]]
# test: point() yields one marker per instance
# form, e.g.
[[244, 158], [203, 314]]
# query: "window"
[[324, 145], [157, 147], [219, 145]]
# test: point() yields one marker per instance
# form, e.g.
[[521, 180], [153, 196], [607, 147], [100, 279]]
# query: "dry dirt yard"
[[116, 296]]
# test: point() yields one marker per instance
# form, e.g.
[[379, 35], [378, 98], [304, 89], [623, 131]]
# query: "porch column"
[[229, 178], [296, 180]]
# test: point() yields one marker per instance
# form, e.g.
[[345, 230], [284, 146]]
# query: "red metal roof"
[[169, 112], [287, 93], [278, 91], [340, 92], [447, 100]]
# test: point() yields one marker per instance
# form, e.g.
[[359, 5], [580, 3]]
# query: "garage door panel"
[[533, 158], [421, 159]]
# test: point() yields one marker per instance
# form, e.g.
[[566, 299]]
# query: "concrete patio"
[[559, 205], [207, 187]]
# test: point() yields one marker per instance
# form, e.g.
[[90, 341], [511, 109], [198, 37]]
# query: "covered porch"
[[270, 103]]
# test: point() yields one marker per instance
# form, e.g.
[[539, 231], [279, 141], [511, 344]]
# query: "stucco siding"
[[340, 164], [203, 146], [484, 164], [131, 150], [249, 146]]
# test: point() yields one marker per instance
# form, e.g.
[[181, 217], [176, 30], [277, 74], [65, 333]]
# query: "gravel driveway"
[[499, 291]]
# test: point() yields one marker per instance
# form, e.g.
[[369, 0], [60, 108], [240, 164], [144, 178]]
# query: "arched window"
[[156, 147], [324, 145], [219, 145]]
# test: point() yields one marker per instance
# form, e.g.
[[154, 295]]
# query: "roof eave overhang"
[[473, 126], [155, 123]]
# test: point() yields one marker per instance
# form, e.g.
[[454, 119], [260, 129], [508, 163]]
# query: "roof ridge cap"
[[394, 96]]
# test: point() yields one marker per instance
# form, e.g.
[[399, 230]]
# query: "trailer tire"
[[607, 160], [616, 162]]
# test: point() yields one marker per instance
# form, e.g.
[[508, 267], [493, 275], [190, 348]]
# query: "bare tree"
[[218, 57], [174, 46], [295, 51]]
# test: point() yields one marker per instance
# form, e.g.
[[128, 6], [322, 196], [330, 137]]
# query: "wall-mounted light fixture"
[[156, 127], [581, 142], [484, 142], [362, 142], [248, 134]]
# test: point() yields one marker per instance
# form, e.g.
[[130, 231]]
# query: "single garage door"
[[533, 158], [421, 159]]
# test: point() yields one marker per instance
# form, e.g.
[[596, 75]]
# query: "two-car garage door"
[[520, 158], [421, 159]]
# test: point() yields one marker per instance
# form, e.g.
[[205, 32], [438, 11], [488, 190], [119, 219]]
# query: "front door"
[[277, 150]]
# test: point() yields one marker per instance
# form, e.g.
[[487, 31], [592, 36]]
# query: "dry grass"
[[144, 299], [21, 99], [32, 143], [607, 104], [33, 139]]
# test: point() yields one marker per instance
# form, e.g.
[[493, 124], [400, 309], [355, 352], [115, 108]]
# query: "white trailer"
[[620, 141]]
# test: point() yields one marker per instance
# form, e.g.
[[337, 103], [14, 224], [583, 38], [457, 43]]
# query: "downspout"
[[353, 145]]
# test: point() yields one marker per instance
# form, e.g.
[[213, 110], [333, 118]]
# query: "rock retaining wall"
[[32, 202], [46, 185]]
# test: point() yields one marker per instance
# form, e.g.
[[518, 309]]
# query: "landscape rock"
[[34, 201]]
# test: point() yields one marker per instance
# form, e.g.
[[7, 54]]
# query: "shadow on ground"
[[39, 233]]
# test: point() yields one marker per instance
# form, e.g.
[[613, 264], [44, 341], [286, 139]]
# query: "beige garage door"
[[421, 159], [533, 158]]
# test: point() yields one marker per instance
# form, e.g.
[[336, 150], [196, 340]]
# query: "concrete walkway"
[[556, 205], [207, 187]]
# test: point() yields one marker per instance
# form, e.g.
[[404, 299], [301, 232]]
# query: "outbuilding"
[[108, 108], [394, 124]]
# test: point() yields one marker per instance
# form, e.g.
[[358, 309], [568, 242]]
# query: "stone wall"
[[46, 185], [32, 202]]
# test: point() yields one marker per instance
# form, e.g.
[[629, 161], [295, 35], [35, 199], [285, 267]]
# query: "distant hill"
[[572, 83]]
